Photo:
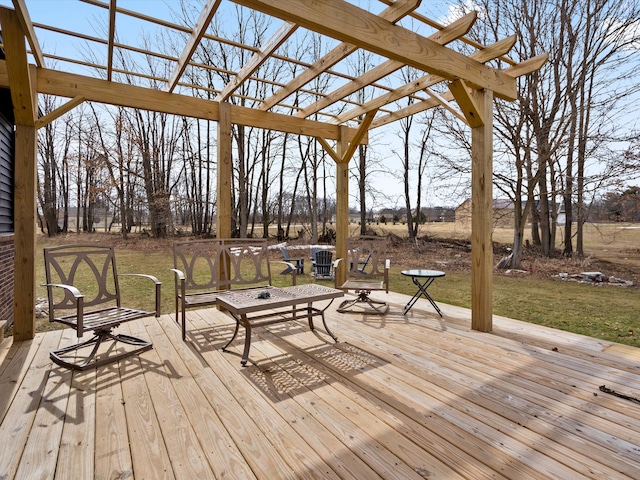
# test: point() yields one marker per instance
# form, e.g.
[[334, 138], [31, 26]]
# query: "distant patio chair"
[[323, 265], [314, 251], [94, 267], [368, 271], [298, 262]]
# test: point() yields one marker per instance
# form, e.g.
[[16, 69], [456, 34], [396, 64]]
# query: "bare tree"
[[53, 146], [560, 135]]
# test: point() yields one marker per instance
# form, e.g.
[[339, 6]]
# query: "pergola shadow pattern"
[[414, 397]]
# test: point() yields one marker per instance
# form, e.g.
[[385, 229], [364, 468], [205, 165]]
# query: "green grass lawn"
[[600, 311], [606, 312]]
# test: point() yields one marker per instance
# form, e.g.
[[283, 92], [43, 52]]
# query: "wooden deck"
[[398, 397]]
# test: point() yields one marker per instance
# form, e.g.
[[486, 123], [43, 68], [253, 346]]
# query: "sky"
[[85, 17]]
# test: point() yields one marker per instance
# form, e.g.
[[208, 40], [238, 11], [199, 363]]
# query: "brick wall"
[[6, 276]]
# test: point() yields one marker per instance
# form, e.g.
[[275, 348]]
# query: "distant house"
[[503, 213]]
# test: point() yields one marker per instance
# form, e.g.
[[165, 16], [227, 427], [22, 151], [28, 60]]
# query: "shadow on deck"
[[403, 397]]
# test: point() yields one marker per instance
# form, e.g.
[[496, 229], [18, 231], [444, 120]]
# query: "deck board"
[[398, 397]]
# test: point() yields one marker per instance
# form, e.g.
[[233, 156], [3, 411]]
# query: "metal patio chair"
[[92, 268], [368, 271]]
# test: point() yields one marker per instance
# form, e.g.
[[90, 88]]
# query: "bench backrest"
[[222, 263], [366, 257]]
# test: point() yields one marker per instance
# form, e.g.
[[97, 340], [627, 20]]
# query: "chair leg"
[[58, 356], [363, 297]]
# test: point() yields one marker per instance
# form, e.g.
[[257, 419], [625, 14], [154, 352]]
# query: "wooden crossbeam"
[[448, 34], [194, 40], [394, 13], [27, 27], [278, 38], [111, 40], [20, 79], [528, 66], [489, 53], [523, 68], [58, 112], [471, 111], [71, 85], [434, 24], [348, 23]]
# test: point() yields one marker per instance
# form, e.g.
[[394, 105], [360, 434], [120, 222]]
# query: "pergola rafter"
[[468, 86]]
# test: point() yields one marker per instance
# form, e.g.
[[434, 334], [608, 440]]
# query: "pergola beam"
[[111, 40], [348, 23], [197, 33], [448, 34], [524, 68], [395, 12], [71, 85], [24, 98], [497, 49], [58, 112], [27, 28]]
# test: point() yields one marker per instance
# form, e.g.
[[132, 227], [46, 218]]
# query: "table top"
[[423, 273], [243, 301]]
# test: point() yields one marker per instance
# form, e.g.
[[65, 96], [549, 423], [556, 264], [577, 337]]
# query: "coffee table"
[[258, 307]]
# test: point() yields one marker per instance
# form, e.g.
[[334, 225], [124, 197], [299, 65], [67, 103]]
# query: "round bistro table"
[[422, 278]]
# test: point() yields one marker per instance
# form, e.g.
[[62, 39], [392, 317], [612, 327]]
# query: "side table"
[[422, 279]]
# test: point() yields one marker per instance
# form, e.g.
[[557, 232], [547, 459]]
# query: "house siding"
[[7, 252], [7, 237]]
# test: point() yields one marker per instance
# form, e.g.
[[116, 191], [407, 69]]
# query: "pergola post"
[[25, 232], [482, 214], [342, 205], [24, 98], [224, 171]]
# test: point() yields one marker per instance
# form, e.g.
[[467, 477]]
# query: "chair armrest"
[[154, 280], [294, 272], [335, 263], [74, 291], [179, 274], [79, 299], [180, 284]]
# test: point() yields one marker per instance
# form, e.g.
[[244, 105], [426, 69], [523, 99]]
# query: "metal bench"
[[205, 268]]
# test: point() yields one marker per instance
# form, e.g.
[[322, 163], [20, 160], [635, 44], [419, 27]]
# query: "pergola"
[[471, 86]]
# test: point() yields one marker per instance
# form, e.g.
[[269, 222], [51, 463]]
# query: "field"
[[535, 293]]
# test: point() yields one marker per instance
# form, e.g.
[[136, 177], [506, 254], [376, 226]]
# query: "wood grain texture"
[[481, 214], [400, 396], [349, 23]]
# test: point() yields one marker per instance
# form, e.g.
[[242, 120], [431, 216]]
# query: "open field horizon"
[[535, 294]]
